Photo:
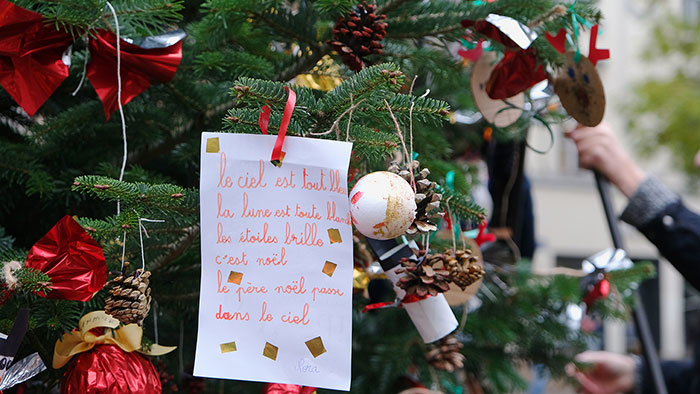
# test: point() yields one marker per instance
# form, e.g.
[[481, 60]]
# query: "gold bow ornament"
[[127, 337]]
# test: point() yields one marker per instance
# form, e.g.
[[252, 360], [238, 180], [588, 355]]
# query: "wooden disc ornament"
[[580, 90], [382, 205], [500, 113], [458, 297]]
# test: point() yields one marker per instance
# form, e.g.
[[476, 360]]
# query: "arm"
[[653, 209]]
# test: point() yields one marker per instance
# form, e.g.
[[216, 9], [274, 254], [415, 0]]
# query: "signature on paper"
[[305, 365]]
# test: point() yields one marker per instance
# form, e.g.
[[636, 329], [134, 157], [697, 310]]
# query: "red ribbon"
[[264, 121], [448, 221], [140, 68], [595, 54], [407, 299], [72, 259], [31, 65]]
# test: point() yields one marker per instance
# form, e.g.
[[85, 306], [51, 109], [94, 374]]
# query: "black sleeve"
[[676, 233]]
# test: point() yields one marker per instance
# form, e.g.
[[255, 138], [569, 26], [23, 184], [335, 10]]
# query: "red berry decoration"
[[358, 35]]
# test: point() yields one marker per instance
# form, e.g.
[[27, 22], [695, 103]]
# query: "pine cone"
[[428, 277], [446, 354], [427, 201], [358, 35], [130, 297], [463, 268]]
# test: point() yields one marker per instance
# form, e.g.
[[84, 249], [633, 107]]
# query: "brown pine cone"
[[427, 201], [428, 277], [446, 354], [463, 267], [358, 35], [129, 298]]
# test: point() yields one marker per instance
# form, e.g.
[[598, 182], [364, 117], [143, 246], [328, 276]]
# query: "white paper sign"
[[276, 292]]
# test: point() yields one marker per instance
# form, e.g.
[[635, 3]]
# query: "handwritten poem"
[[276, 288]]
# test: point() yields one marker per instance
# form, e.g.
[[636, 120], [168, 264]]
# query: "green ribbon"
[[575, 20], [467, 44], [452, 387], [450, 183]]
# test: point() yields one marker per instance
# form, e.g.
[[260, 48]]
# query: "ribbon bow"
[[128, 338], [72, 259], [34, 60]]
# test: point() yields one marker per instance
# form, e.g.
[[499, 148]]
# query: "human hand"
[[599, 150], [609, 373]]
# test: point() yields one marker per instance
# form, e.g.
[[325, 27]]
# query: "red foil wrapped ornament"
[[518, 70], [31, 52], [107, 369], [72, 259], [140, 67], [280, 388]]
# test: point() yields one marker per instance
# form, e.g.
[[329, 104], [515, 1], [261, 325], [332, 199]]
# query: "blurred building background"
[[570, 222]]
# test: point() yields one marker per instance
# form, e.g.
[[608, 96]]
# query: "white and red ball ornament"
[[382, 205]]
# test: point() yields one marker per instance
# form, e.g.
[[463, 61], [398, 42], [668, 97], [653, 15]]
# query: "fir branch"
[[304, 63], [175, 249], [218, 65], [135, 195], [461, 205], [372, 83], [259, 92], [291, 26], [334, 8], [137, 18], [373, 145], [424, 108], [31, 280], [179, 297], [390, 5]]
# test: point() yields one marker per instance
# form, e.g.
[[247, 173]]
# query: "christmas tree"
[[384, 76]]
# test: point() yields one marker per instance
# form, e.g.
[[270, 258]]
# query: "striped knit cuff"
[[647, 202]]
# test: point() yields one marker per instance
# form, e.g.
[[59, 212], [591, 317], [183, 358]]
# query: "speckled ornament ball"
[[382, 205]]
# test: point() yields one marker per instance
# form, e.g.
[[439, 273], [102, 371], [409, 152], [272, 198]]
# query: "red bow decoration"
[[472, 54], [517, 71], [72, 259], [482, 237], [31, 65], [279, 388]]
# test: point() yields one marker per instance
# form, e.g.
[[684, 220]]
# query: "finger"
[[588, 384]]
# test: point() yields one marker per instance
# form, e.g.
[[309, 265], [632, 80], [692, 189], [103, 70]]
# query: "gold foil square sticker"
[[316, 346], [270, 351], [235, 277], [334, 235], [228, 347], [213, 145], [329, 268]]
